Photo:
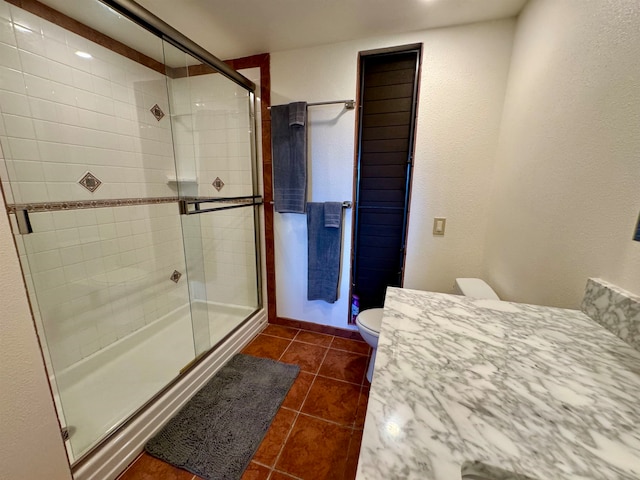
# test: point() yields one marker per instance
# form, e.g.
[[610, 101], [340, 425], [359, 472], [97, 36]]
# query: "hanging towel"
[[297, 113], [324, 255], [289, 144], [332, 214]]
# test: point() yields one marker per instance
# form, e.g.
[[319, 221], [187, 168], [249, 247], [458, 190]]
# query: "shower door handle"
[[239, 202]]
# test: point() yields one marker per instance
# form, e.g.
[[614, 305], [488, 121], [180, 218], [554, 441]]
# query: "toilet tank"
[[474, 287]]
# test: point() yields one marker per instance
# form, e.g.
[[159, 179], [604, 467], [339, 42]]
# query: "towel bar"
[[348, 104], [345, 204]]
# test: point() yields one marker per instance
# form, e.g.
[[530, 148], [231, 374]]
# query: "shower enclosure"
[[129, 172]]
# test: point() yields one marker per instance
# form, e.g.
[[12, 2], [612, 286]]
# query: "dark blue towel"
[[297, 113], [333, 214], [289, 145], [324, 255]]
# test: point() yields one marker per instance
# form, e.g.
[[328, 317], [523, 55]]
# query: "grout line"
[[284, 442], [339, 379], [287, 474], [295, 338]]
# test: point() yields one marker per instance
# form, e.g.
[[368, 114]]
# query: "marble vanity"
[[482, 389]]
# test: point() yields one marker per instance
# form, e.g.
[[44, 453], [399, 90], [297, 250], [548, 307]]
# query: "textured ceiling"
[[232, 29], [238, 28]]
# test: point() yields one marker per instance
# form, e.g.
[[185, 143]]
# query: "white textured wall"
[[464, 72], [30, 441], [566, 185]]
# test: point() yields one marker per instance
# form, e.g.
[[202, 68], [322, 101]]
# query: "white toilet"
[[370, 321], [475, 288]]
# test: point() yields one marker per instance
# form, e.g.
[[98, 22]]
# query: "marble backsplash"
[[614, 308]]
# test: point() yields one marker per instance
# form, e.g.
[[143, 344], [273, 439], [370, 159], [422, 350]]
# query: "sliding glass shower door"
[[213, 139], [111, 147]]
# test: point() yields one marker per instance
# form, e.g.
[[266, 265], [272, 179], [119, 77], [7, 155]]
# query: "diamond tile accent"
[[90, 182], [157, 112], [218, 184], [175, 276]]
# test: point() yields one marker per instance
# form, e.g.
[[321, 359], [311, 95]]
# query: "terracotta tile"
[[274, 439], [280, 331], [280, 476], [342, 365], [352, 457], [298, 391], [267, 347], [309, 357], [332, 400], [315, 338], [350, 345], [147, 467], [255, 472], [362, 409], [315, 450]]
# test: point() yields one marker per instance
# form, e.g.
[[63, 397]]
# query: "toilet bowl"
[[369, 323]]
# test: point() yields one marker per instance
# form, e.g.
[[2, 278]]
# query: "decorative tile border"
[[113, 202], [614, 308]]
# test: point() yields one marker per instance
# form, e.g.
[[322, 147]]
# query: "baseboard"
[[109, 460], [316, 327]]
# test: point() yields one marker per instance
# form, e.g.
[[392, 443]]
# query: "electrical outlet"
[[439, 224]]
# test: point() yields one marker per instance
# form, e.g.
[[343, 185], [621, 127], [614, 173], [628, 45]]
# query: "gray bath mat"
[[217, 432]]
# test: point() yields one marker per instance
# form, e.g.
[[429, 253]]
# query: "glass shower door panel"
[[212, 135], [229, 240], [89, 157], [109, 310]]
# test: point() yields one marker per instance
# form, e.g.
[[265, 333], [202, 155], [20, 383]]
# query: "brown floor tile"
[[354, 346], [332, 400], [256, 472], [352, 458], [274, 439], [309, 357], [280, 331], [346, 366], [315, 338], [267, 347], [298, 391], [280, 476], [362, 408], [315, 450], [147, 467]]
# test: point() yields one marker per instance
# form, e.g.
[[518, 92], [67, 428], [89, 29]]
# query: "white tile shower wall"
[[101, 274], [212, 133], [63, 115], [212, 138], [228, 239]]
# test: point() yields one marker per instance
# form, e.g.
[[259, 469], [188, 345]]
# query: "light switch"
[[438, 225]]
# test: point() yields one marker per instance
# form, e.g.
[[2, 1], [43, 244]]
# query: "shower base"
[[97, 393]]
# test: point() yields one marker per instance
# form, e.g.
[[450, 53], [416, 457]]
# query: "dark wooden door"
[[387, 118]]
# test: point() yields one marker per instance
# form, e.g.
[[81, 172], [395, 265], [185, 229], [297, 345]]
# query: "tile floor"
[[317, 432]]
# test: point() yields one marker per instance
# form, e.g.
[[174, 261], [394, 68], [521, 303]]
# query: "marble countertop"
[[518, 391]]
